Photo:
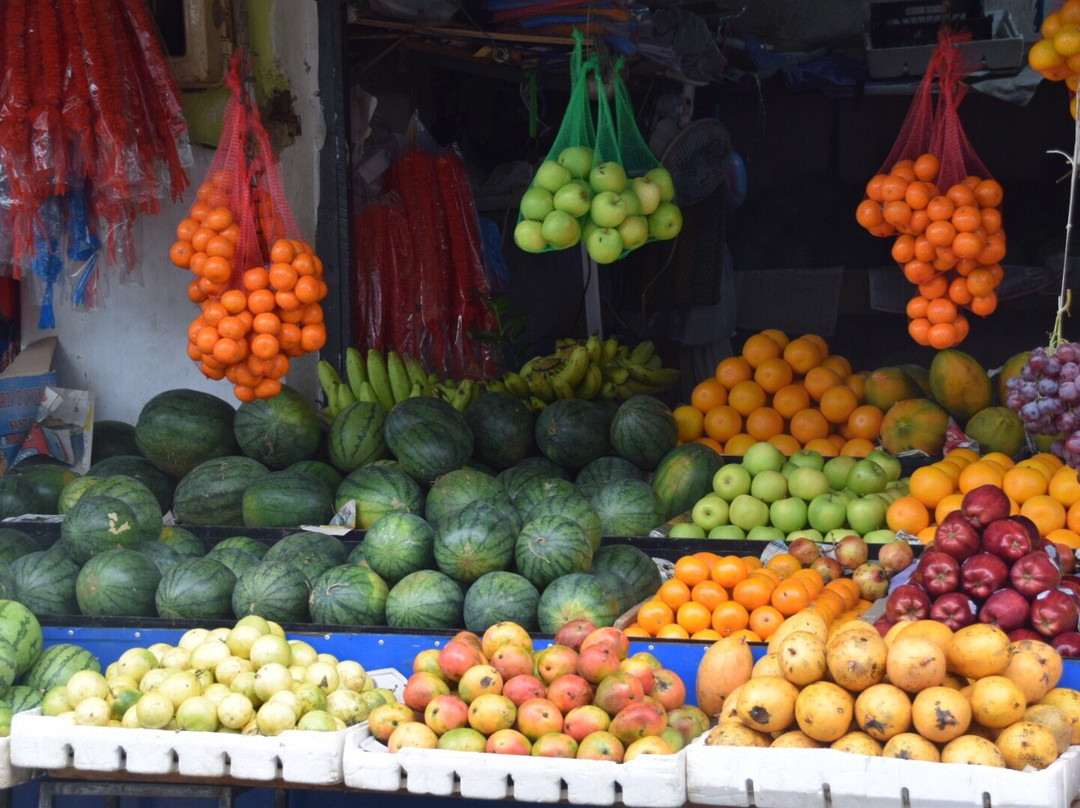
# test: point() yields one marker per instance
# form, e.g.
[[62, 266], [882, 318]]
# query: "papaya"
[[997, 429], [886, 386], [1012, 367], [960, 384], [914, 423], [920, 375]]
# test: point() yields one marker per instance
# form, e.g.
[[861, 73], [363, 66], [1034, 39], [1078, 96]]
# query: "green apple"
[[732, 480], [866, 477], [551, 176], [837, 468], [747, 512], [634, 231], [560, 230], [902, 485], [844, 495], [686, 530], [768, 486], [765, 533], [662, 178], [529, 236], [709, 511], [604, 245], [787, 468], [572, 198], [577, 160], [826, 512], [609, 176], [607, 209], [836, 534], [648, 192], [805, 533], [536, 203], [633, 204], [807, 483], [788, 514], [866, 514], [763, 456], [666, 221], [882, 536], [727, 532], [889, 464], [808, 458]]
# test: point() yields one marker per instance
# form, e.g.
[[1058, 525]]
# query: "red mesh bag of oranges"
[[936, 200], [257, 284]]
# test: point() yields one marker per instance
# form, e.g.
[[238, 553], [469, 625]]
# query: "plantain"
[[517, 385], [398, 375], [355, 372], [589, 386], [561, 388], [574, 367], [642, 352], [380, 381], [540, 386]]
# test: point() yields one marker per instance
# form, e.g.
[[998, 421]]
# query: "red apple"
[[1024, 634], [895, 556], [907, 602], [805, 550], [937, 573], [1007, 609], [956, 536], [883, 624], [1067, 643], [1053, 612], [1034, 573], [982, 574], [828, 568], [872, 580], [1008, 539], [1066, 557], [851, 551], [1070, 583], [955, 610], [982, 505]]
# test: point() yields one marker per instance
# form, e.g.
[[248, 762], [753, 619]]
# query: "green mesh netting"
[[637, 157]]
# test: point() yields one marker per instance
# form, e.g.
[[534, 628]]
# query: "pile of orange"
[[790, 392], [713, 596], [949, 242], [249, 326], [1040, 487], [1057, 55]]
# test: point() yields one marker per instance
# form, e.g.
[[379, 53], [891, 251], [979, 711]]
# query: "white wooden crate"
[[11, 776], [817, 778], [653, 781]]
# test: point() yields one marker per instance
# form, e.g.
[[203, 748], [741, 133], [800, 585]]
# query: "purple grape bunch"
[[1046, 396]]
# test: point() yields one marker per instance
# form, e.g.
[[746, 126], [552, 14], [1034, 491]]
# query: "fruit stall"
[[509, 436]]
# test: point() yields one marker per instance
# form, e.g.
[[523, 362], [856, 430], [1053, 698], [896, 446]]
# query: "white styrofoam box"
[[657, 781], [815, 778], [10, 776]]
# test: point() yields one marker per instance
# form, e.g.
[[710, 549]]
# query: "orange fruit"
[[765, 620], [979, 473], [785, 443], [948, 504], [709, 393], [837, 403], [728, 571], [1069, 538], [1064, 486], [673, 631], [737, 445], [1046, 512], [758, 348], [772, 374], [783, 564], [803, 354], [808, 424], [857, 447], [635, 630], [754, 591], [673, 592], [729, 617], [706, 635], [746, 397], [691, 570], [790, 398], [689, 420], [733, 370], [930, 485], [789, 597], [764, 423], [1022, 483], [826, 447], [776, 335], [709, 594], [722, 423], [653, 615], [693, 617], [820, 379], [839, 364], [907, 513]]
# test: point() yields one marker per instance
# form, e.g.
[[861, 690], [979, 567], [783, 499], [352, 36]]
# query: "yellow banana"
[[589, 386], [495, 386], [462, 395], [607, 390], [655, 362], [642, 351], [540, 387], [561, 388], [517, 385], [330, 382], [615, 374], [592, 345], [574, 367], [355, 372], [663, 378], [380, 380], [608, 349], [398, 375], [536, 404]]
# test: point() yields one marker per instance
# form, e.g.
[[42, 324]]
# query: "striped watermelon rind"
[[377, 490], [456, 489], [476, 540], [45, 582], [575, 508], [118, 583], [356, 436], [579, 595], [398, 544], [15, 544], [58, 663], [212, 493], [549, 547], [311, 553], [349, 595], [274, 590], [196, 589], [21, 629], [182, 540], [500, 596], [425, 599], [287, 499]]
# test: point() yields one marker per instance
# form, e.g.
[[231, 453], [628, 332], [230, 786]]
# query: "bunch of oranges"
[[713, 596], [1040, 487], [790, 392], [1057, 55], [248, 327], [949, 243]]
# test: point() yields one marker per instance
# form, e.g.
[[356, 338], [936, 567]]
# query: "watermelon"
[[247, 543], [539, 488], [643, 431], [357, 555], [19, 496], [7, 583], [349, 595], [20, 628], [502, 427], [575, 508], [15, 544], [118, 583], [21, 697], [515, 477], [311, 553], [424, 599], [378, 490], [632, 573], [278, 431], [684, 476], [499, 596], [428, 437], [274, 590], [73, 490], [578, 596], [628, 508], [7, 679], [476, 540], [113, 438], [179, 429], [237, 560], [356, 436], [572, 432], [163, 556], [182, 541], [58, 663], [605, 470], [456, 489], [45, 582], [287, 499], [49, 479], [196, 589], [96, 524], [141, 469], [212, 493], [550, 546], [319, 470], [136, 494], [398, 544]]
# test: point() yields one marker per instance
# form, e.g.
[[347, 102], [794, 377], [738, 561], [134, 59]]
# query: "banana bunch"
[[459, 393], [383, 380]]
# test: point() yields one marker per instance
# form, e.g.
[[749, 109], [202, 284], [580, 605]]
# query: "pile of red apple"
[[987, 566], [582, 697]]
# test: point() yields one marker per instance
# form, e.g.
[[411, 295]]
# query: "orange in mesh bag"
[[258, 285]]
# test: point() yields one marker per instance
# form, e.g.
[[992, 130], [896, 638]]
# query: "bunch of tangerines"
[[713, 596], [790, 392], [1040, 487], [247, 331], [949, 242], [1057, 55]]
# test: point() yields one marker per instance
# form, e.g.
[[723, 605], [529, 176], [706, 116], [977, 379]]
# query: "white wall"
[[134, 345]]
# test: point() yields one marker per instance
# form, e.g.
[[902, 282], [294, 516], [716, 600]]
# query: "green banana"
[[633, 387], [380, 379], [329, 381], [546, 365], [540, 387], [432, 380], [367, 393], [607, 390], [642, 351], [561, 388], [416, 390], [615, 374], [622, 352], [654, 363], [355, 372], [517, 385], [495, 386], [398, 375], [663, 377], [592, 345], [589, 386], [574, 367], [345, 397], [463, 394], [414, 369], [536, 404], [608, 349]]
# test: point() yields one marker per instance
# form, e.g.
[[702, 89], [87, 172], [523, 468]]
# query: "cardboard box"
[[23, 383]]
